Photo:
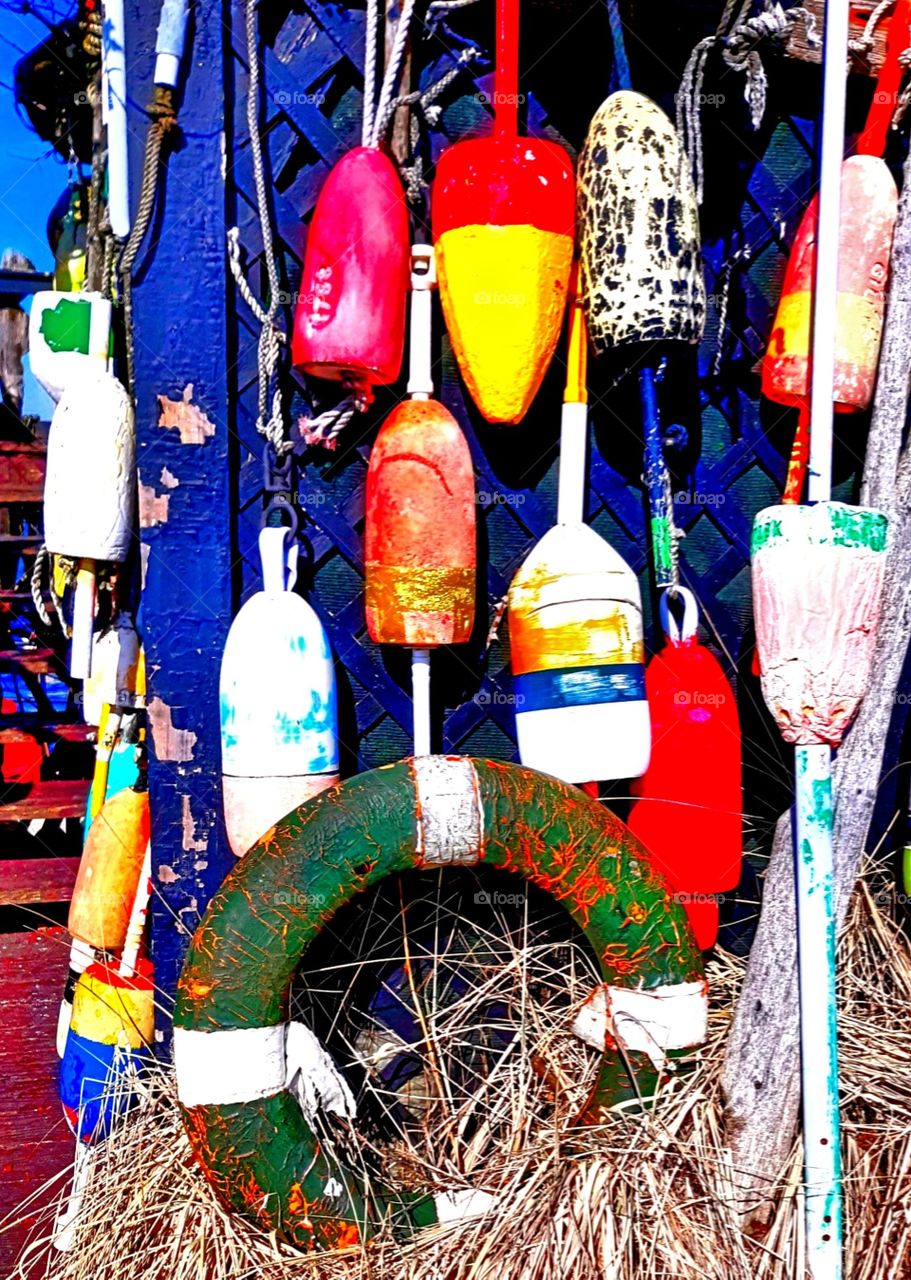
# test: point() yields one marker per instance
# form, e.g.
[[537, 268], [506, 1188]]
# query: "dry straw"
[[646, 1196]]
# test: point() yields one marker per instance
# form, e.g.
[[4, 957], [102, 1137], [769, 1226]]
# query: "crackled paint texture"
[[641, 266], [261, 1157], [182, 428]]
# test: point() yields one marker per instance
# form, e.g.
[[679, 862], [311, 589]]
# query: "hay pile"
[[646, 1196]]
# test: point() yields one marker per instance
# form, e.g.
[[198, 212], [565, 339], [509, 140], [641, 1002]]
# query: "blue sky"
[[32, 176]]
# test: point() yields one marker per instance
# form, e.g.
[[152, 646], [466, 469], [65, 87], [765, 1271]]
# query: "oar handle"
[[872, 142], [506, 79]]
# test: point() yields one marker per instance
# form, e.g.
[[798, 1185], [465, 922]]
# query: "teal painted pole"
[[818, 1028]]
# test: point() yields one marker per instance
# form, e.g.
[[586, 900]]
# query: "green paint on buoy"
[[67, 326]]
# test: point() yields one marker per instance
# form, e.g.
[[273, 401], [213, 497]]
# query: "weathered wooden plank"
[[35, 1143], [51, 798], [22, 468], [184, 426], [28, 880]]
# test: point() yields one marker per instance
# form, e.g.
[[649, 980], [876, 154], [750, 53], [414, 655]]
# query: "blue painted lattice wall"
[[730, 455]]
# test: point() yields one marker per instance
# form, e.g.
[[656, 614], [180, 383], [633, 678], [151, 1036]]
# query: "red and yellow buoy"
[[503, 226]]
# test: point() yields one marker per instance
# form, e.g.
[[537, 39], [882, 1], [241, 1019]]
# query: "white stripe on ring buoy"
[[450, 818], [650, 1022]]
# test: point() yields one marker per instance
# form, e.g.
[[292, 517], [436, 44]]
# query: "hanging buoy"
[[90, 490], [575, 624], [279, 721], [868, 209], [419, 528], [578, 659], [109, 871], [118, 672], [350, 320], [254, 1087], [66, 332], [817, 582], [641, 269], [503, 228], [689, 812]]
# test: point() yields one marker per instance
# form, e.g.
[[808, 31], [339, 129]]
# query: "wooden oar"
[[817, 577], [419, 530], [503, 223]]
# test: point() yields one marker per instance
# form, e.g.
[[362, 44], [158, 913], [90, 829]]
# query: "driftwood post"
[[761, 1069]]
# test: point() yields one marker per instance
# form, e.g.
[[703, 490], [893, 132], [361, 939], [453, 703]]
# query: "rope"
[[370, 38], [326, 427], [739, 51], [396, 58], [269, 420], [36, 585], [162, 123], [743, 254], [621, 72]]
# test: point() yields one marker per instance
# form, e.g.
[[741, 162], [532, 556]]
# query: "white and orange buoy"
[[420, 525], [279, 719], [90, 490], [575, 625]]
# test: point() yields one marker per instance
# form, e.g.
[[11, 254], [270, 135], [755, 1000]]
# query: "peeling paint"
[[189, 842], [168, 479], [185, 417], [153, 507], [144, 552], [167, 875], [175, 745]]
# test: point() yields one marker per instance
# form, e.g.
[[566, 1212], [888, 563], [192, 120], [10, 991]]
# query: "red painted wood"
[[57, 798], [22, 468], [35, 1143], [350, 320], [27, 880]]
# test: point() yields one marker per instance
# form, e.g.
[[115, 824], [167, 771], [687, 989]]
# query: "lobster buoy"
[[817, 591], [350, 320], [689, 812], [251, 1084], [641, 269], [111, 1030], [67, 332], [503, 227], [578, 659], [110, 871], [90, 490], [869, 206], [419, 526], [279, 720], [118, 671]]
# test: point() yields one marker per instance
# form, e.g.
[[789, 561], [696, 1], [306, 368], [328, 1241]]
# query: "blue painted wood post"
[[179, 316]]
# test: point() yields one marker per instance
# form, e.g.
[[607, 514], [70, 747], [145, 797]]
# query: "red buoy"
[[689, 811], [349, 325]]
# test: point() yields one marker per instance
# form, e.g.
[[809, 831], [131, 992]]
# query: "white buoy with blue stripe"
[[575, 627], [279, 718]]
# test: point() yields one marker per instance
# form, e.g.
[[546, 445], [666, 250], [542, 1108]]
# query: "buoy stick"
[[655, 473], [420, 692], [574, 420], [169, 42], [506, 77], [108, 733], [83, 621], [813, 764], [114, 110], [64, 1228]]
